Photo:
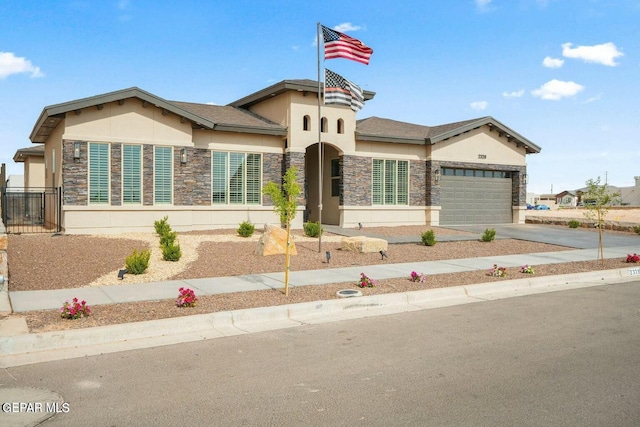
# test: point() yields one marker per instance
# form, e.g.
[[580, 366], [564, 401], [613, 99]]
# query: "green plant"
[[285, 203], [417, 277], [497, 271], [366, 282], [74, 309], [527, 269], [171, 252], [162, 226], [598, 200], [429, 238], [246, 229], [312, 229], [574, 223], [168, 238], [489, 235], [186, 298], [636, 228], [138, 262]]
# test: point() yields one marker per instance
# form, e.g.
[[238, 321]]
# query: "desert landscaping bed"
[[68, 262]]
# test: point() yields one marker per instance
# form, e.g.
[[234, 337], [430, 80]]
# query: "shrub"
[[168, 238], [246, 229], [162, 226], [574, 223], [171, 252], [636, 228], [489, 235], [138, 262], [415, 277], [527, 269], [429, 238], [312, 229], [497, 271], [74, 309], [186, 298]]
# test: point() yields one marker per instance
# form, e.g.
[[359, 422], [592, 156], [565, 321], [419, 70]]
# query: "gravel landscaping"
[[68, 262]]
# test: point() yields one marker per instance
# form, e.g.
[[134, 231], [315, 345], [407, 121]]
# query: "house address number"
[[482, 156], [634, 272]]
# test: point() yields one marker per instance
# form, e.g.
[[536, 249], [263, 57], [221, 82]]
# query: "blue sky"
[[562, 73]]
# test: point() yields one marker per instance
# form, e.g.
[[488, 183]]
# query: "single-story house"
[[567, 199], [127, 158]]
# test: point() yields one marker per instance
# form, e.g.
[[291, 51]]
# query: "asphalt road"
[[568, 358]]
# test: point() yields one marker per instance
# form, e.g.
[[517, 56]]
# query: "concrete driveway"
[[573, 237]]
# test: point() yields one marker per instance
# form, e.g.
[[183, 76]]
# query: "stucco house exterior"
[[33, 160], [127, 158]]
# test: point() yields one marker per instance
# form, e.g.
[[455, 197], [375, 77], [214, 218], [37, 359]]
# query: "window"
[[335, 177], [98, 173], [162, 176], [131, 174], [340, 126], [237, 178], [306, 123], [390, 181], [324, 124]]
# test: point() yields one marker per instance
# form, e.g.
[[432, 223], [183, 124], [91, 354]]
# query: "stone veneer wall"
[[74, 174], [147, 175], [115, 175], [417, 183], [192, 180], [355, 185], [272, 166], [297, 160]]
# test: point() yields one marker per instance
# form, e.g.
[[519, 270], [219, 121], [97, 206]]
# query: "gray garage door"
[[475, 197]]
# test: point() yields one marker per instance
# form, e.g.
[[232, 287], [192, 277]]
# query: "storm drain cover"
[[348, 293]]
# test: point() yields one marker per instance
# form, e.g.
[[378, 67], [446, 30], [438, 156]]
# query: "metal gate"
[[31, 210]]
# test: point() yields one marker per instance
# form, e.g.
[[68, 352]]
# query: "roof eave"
[[529, 146], [249, 129], [391, 139]]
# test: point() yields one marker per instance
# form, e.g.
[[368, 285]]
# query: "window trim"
[[250, 187], [386, 188], [106, 147], [139, 179], [156, 178]]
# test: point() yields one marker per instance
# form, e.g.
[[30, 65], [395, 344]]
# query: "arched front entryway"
[[331, 174]]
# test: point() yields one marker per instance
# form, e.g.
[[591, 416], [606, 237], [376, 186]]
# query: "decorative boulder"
[[274, 241], [363, 244]]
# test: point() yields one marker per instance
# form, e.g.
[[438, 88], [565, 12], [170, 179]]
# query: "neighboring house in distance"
[[34, 166], [567, 199], [631, 195], [127, 158], [547, 199]]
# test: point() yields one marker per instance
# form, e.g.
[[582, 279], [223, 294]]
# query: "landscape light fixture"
[[121, 273], [183, 156], [76, 150], [328, 255], [383, 254], [436, 175], [359, 226]]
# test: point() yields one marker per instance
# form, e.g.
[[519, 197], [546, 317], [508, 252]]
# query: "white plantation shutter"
[[390, 182], [376, 179], [236, 178], [98, 173], [131, 174], [162, 179], [254, 178], [236, 174], [219, 174], [403, 182]]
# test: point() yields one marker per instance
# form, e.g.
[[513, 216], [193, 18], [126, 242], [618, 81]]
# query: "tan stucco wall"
[[387, 150], [471, 146], [213, 140], [130, 122], [51, 146], [34, 171]]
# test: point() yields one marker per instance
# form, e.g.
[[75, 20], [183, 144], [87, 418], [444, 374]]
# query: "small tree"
[[285, 204], [597, 203]]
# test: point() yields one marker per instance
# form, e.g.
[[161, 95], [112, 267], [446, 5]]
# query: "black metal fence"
[[31, 210]]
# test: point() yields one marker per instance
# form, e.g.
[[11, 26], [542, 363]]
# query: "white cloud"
[[11, 64], [479, 105], [483, 5], [593, 99], [550, 62], [555, 90], [346, 26], [514, 94], [604, 54]]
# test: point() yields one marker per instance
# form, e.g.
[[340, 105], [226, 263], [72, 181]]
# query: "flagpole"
[[319, 149]]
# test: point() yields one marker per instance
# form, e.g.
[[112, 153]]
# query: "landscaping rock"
[[274, 242], [364, 244]]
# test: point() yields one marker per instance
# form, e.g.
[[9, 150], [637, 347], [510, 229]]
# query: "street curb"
[[42, 347]]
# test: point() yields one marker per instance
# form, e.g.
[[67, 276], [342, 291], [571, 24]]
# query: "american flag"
[[338, 45], [338, 90]]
